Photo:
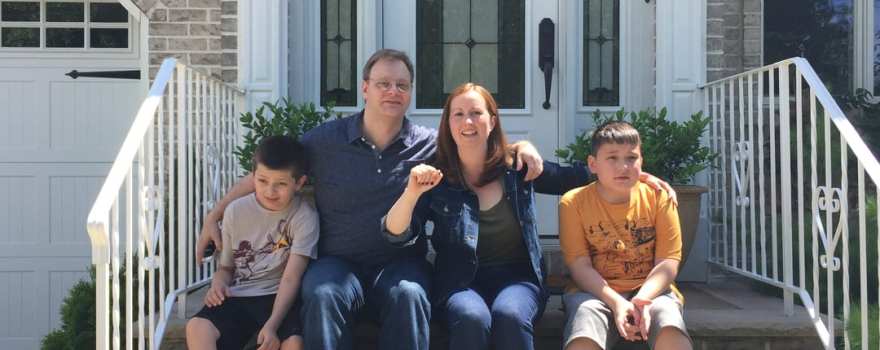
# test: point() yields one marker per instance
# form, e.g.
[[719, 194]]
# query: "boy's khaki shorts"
[[589, 317]]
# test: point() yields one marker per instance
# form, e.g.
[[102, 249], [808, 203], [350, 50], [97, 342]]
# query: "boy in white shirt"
[[256, 286]]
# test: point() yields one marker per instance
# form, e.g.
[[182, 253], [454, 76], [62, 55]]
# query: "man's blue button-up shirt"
[[356, 183]]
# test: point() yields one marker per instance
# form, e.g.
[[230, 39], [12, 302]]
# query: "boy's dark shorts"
[[240, 318]]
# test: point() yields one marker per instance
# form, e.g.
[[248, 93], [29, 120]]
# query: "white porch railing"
[[174, 162], [788, 196]]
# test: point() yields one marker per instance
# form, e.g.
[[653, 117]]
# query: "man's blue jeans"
[[335, 292], [499, 308]]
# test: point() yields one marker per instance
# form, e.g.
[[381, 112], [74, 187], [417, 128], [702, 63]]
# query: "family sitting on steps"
[[300, 276]]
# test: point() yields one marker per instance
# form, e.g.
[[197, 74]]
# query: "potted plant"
[[279, 118], [670, 150]]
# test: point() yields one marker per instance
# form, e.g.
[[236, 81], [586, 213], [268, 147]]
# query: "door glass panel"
[[339, 52], [601, 80], [20, 37], [65, 12], [819, 30], [65, 37], [20, 11], [107, 38], [108, 12], [462, 41]]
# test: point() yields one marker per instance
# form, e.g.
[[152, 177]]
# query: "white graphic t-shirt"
[[257, 242]]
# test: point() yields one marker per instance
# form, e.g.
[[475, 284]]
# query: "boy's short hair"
[[615, 131], [282, 152]]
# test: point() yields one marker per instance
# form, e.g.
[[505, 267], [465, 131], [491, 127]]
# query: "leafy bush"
[[284, 118], [864, 114], [77, 319], [670, 150]]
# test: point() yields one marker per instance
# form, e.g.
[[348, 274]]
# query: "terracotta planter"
[[689, 200]]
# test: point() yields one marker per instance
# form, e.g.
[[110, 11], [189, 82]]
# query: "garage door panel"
[[58, 139], [21, 123], [43, 250], [91, 117], [17, 291], [18, 209], [31, 293], [71, 198]]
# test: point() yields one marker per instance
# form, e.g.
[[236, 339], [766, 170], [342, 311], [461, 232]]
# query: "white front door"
[[491, 43], [58, 136], [603, 54], [498, 44]]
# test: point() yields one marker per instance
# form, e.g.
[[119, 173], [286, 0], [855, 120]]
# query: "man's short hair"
[[282, 152], [388, 54], [615, 131]]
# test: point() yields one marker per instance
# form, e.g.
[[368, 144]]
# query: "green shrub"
[[854, 326], [670, 150], [77, 319], [284, 118]]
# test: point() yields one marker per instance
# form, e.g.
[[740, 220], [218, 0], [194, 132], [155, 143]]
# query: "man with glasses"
[[359, 167]]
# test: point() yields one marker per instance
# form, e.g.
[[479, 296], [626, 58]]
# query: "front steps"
[[722, 315]]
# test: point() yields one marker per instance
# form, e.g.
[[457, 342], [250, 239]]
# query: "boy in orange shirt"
[[622, 243]]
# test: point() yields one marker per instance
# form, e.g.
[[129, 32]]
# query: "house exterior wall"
[[733, 37], [201, 33]]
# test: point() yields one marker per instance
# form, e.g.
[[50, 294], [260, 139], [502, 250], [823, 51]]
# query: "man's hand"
[[210, 233], [216, 295], [422, 178], [267, 339], [657, 184], [527, 154], [627, 319], [644, 309]]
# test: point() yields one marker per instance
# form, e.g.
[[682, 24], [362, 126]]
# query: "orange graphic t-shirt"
[[622, 240]]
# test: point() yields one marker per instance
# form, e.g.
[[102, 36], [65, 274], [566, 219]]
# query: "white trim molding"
[[263, 62], [681, 58]]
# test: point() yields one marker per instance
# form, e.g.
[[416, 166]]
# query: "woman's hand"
[[657, 184], [422, 178]]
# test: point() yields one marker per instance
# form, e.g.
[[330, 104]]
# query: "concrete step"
[[722, 315]]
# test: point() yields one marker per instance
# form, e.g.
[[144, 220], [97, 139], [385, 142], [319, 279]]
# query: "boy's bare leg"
[[671, 338], [583, 344], [201, 334], [293, 342]]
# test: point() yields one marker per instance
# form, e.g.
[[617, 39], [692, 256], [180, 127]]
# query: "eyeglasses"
[[387, 85]]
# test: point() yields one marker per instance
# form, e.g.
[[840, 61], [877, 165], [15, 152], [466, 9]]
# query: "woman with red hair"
[[488, 271]]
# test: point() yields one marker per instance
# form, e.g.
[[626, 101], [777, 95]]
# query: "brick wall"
[[733, 37], [201, 33]]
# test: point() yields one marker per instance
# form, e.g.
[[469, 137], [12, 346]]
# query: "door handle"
[[113, 74], [546, 55]]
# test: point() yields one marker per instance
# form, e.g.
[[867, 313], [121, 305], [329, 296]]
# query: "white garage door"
[[58, 136]]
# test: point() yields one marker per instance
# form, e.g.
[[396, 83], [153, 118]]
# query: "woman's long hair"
[[498, 158]]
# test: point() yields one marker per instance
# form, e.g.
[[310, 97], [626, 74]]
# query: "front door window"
[[339, 80], [477, 41], [601, 80]]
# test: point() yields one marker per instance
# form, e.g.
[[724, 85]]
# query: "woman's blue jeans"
[[498, 308]]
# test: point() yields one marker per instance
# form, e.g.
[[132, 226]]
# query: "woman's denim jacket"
[[454, 210]]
